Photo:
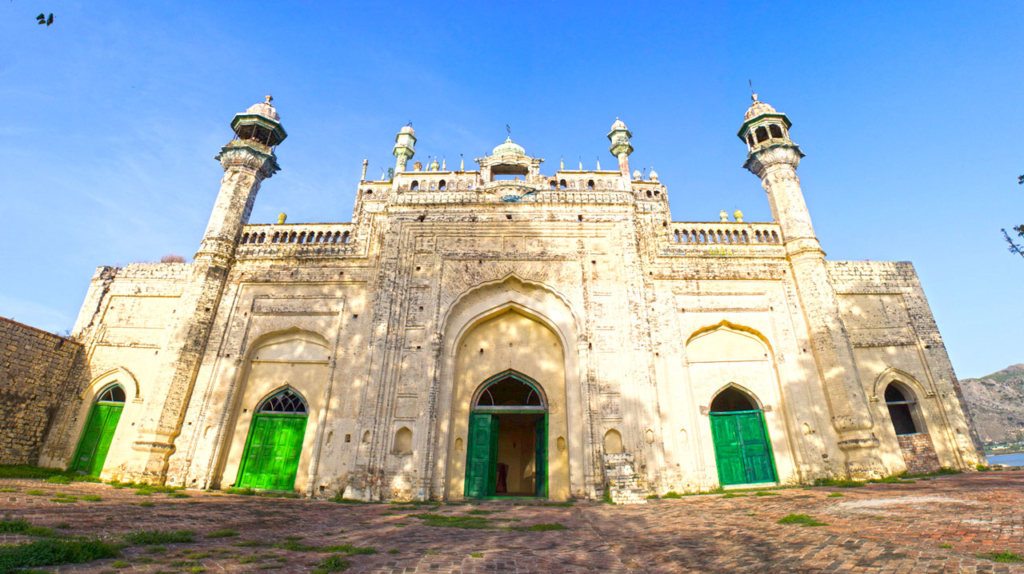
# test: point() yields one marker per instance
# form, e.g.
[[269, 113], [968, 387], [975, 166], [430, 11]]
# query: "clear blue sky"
[[909, 114]]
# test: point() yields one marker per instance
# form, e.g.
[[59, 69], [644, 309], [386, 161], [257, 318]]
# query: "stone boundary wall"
[[38, 372]]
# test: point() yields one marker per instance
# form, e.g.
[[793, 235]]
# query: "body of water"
[[1007, 459]]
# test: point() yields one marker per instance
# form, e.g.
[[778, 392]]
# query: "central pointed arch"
[[527, 313]]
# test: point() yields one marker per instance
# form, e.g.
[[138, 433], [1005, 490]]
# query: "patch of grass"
[[21, 526], [476, 554], [8, 490], [333, 563], [839, 482], [482, 512], [653, 497], [27, 471], [147, 504], [608, 497], [120, 564], [672, 494], [56, 551], [91, 498], [546, 527], [222, 533], [35, 492], [835, 494], [751, 514], [566, 504], [349, 549], [161, 537], [178, 494], [63, 526], [896, 479], [58, 479], [945, 545], [431, 553], [156, 549], [1002, 556], [766, 493], [471, 522], [986, 468], [65, 499], [249, 559], [250, 544], [394, 551], [802, 519], [732, 495], [239, 491]]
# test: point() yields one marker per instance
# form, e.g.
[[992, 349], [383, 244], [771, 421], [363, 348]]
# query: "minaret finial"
[[269, 98]]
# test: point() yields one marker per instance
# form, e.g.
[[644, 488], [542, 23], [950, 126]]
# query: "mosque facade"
[[502, 332]]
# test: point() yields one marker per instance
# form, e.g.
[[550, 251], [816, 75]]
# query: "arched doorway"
[[271, 456], [99, 431], [508, 438], [901, 410], [743, 453]]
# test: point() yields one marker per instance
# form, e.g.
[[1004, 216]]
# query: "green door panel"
[[743, 453], [541, 458], [96, 437], [272, 451], [478, 454]]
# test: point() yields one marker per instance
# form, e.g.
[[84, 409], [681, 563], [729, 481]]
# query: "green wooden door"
[[742, 451], [482, 455], [272, 450], [541, 457], [95, 442]]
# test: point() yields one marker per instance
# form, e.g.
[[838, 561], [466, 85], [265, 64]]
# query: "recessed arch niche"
[[291, 359]]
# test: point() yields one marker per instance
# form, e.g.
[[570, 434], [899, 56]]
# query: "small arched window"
[[732, 400], [900, 410], [612, 442], [562, 185], [509, 392], [442, 186], [750, 140], [776, 130], [403, 441], [590, 184], [112, 394], [554, 184], [415, 186], [762, 134], [285, 401], [345, 237]]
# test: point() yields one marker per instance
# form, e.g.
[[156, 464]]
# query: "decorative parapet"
[[296, 239], [725, 239]]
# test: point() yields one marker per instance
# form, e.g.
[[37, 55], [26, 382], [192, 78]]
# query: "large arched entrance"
[[272, 449], [99, 431], [507, 452], [743, 453]]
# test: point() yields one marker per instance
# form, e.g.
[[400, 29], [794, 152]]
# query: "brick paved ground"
[[941, 525]]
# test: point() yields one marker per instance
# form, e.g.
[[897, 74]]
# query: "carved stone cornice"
[[249, 154], [760, 160]]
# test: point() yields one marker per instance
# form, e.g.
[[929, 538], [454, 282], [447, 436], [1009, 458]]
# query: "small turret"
[[405, 147], [621, 148], [764, 127], [260, 123]]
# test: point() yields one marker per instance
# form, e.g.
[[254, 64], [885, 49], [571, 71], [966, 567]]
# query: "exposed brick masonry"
[[37, 373]]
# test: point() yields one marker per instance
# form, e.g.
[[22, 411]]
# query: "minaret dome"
[[260, 123]]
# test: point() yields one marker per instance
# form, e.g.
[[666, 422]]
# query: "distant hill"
[[996, 403]]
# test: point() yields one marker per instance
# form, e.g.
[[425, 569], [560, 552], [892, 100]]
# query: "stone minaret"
[[774, 158], [405, 148], [621, 148], [247, 160]]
